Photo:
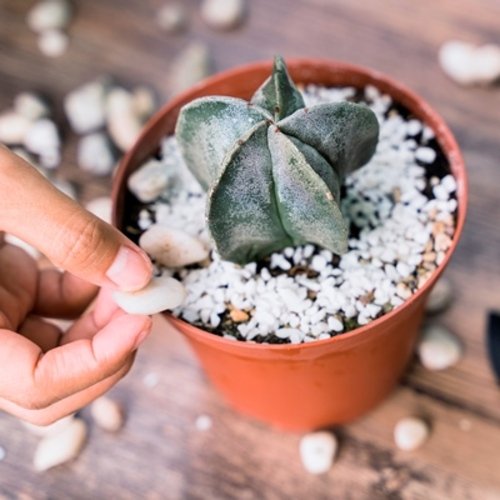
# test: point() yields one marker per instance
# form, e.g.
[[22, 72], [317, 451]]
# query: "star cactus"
[[273, 168]]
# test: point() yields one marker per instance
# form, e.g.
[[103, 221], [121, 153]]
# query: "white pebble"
[[101, 207], [151, 380], [172, 247], [94, 154], [410, 433], [31, 106], [51, 429], [3, 453], [49, 15], [440, 297], [317, 451], [13, 127], [124, 124], [107, 414], [85, 106], [53, 43], [42, 138], [161, 294], [222, 14], [172, 17], [425, 154], [438, 348], [203, 423], [56, 449], [468, 64], [149, 181], [189, 67], [143, 102]]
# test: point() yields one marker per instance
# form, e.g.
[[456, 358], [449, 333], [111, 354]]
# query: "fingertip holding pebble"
[[410, 433], [318, 451], [56, 449], [438, 348], [161, 294], [51, 429], [131, 270]]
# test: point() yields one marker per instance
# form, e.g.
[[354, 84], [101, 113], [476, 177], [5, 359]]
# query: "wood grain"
[[160, 454]]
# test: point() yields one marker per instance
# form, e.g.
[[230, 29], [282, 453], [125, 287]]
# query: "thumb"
[[72, 238]]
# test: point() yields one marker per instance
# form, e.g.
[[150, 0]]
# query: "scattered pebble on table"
[[3, 453], [56, 449], [438, 348], [203, 423], [107, 414], [410, 433], [440, 297], [151, 380], [318, 451]]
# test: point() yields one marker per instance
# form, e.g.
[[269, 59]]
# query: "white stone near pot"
[[31, 106], [143, 102], [94, 154], [440, 297], [190, 66], [13, 127], [42, 138], [172, 17], [53, 43], [468, 64], [149, 181], [101, 207], [160, 294], [172, 247], [107, 414], [85, 107], [124, 124], [49, 15], [56, 449], [223, 14], [317, 451], [410, 433], [438, 348]]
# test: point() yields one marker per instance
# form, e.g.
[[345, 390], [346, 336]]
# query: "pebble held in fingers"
[[161, 294]]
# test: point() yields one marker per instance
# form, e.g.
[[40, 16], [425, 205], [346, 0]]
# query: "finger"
[[104, 311], [45, 335], [62, 295], [72, 238], [68, 405], [35, 380]]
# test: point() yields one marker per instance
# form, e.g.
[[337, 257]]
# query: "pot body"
[[321, 383]]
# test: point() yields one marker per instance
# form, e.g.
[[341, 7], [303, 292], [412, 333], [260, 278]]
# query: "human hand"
[[45, 374]]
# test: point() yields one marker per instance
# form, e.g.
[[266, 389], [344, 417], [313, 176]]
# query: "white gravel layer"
[[403, 219]]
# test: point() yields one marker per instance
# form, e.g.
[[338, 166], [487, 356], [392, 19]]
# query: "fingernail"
[[130, 270], [142, 337]]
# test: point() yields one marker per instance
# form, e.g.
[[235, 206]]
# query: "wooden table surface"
[[159, 453]]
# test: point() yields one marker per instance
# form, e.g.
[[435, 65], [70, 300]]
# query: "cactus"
[[273, 168]]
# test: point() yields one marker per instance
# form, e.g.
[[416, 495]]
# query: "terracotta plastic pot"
[[305, 386]]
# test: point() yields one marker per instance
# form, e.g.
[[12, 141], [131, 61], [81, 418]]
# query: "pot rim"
[[450, 149]]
